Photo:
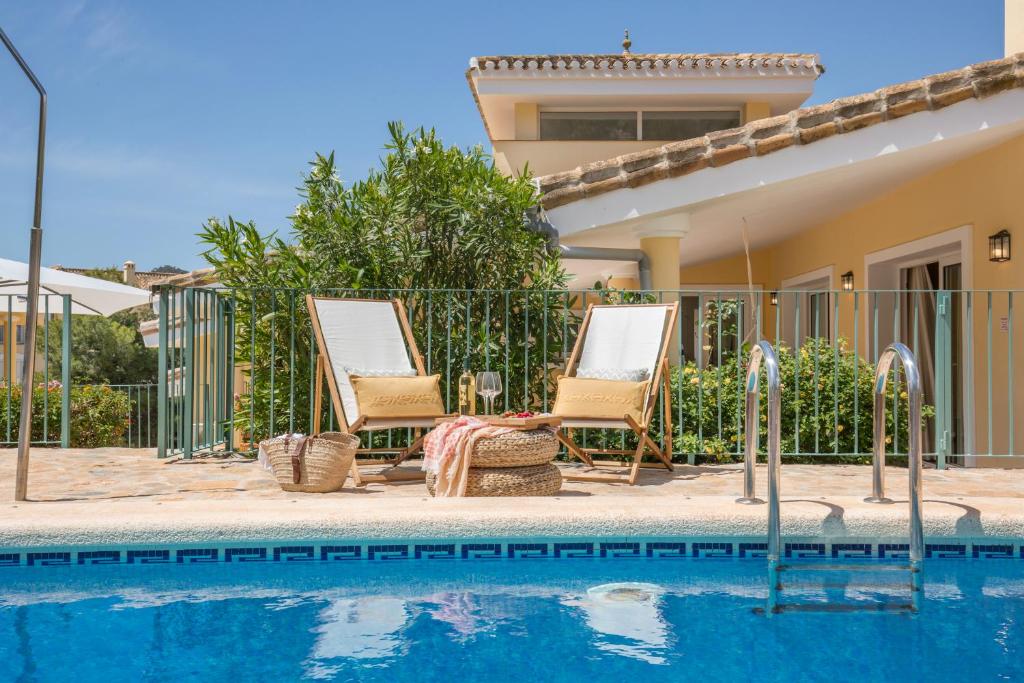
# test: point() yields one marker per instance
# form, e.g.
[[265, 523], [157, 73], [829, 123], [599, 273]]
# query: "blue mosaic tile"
[[527, 550], [436, 551], [294, 553], [851, 551], [245, 554], [753, 550], [99, 557], [10, 559], [894, 551], [574, 550], [711, 550], [341, 552], [481, 551], [388, 552], [666, 549], [946, 551], [148, 556], [993, 552], [196, 555], [48, 559], [620, 550], [568, 549], [805, 551]]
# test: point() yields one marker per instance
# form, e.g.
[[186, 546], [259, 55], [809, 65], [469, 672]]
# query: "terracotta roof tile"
[[766, 136]]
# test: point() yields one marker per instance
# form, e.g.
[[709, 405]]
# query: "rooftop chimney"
[[1013, 17], [128, 274]]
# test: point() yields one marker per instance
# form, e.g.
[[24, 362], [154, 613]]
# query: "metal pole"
[[65, 376], [753, 428], [32, 312], [914, 442]]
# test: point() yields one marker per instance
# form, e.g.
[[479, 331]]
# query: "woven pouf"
[[535, 480], [516, 449]]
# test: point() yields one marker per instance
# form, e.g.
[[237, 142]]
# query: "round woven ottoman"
[[533, 480], [516, 449]]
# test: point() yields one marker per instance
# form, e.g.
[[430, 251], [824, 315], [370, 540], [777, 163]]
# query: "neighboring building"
[[143, 279]]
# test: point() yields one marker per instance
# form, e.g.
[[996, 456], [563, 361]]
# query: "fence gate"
[[196, 369]]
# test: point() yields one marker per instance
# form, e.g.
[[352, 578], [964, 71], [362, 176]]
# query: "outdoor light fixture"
[[773, 298], [847, 280], [999, 246]]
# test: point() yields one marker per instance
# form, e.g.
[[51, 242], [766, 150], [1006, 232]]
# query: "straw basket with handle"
[[311, 464]]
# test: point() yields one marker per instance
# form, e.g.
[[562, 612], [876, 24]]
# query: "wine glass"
[[488, 385]]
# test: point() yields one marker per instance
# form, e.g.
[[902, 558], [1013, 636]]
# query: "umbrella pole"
[[32, 312]]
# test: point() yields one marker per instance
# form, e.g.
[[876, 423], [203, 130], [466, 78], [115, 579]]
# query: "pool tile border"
[[510, 549]]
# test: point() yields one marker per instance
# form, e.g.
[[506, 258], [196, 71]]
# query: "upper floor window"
[[633, 125], [683, 125], [588, 125]]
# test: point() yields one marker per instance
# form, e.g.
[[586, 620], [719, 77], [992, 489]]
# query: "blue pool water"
[[539, 620]]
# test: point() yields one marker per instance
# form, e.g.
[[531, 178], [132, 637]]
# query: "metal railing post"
[[943, 378], [914, 446], [163, 413], [188, 374], [65, 374]]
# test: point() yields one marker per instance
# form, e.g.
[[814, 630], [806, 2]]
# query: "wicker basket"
[[314, 464], [537, 480], [516, 449]]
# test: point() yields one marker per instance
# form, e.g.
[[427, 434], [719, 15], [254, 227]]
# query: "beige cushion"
[[398, 396], [600, 398]]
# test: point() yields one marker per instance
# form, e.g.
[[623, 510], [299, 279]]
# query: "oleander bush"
[[819, 386], [436, 226], [99, 415]]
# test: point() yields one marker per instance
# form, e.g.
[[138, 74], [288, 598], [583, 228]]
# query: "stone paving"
[[79, 496]]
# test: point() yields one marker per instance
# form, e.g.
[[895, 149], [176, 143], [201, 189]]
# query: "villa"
[[709, 278]]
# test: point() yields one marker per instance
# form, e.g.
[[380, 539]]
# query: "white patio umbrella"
[[89, 295]]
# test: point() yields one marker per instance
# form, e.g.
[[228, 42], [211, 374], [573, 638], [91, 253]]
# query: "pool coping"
[[75, 527]]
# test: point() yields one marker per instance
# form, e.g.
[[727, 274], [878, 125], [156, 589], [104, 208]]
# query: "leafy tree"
[[440, 227], [105, 350]]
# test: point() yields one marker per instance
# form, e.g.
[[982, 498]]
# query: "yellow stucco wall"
[[1014, 27], [982, 192]]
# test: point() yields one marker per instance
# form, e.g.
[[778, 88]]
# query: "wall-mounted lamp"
[[847, 280], [999, 246], [773, 298]]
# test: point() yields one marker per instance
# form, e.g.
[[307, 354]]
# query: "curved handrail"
[[914, 400], [763, 353]]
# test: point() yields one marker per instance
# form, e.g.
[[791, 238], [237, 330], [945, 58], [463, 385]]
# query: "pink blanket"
[[448, 449]]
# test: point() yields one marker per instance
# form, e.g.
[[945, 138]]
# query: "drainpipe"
[[537, 222]]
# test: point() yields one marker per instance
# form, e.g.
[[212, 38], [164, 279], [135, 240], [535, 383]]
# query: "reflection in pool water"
[[501, 620]]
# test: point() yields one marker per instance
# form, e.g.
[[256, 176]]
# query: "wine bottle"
[[467, 390]]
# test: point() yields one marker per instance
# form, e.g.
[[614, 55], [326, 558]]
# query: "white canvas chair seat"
[[625, 337], [369, 337]]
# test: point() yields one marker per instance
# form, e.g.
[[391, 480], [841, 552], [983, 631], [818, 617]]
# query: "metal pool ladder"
[[763, 353]]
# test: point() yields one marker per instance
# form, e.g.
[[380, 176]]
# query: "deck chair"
[[365, 333], [621, 337]]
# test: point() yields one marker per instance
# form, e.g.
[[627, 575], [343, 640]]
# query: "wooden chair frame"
[[324, 368], [647, 444]]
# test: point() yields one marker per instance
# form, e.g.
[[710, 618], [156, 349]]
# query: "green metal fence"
[[237, 366], [55, 324]]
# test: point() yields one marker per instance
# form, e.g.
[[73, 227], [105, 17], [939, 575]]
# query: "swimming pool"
[[502, 619]]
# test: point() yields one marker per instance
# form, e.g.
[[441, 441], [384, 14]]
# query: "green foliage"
[[430, 218], [104, 350], [818, 388], [99, 415]]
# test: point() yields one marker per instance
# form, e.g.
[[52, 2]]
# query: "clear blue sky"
[[165, 113]]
